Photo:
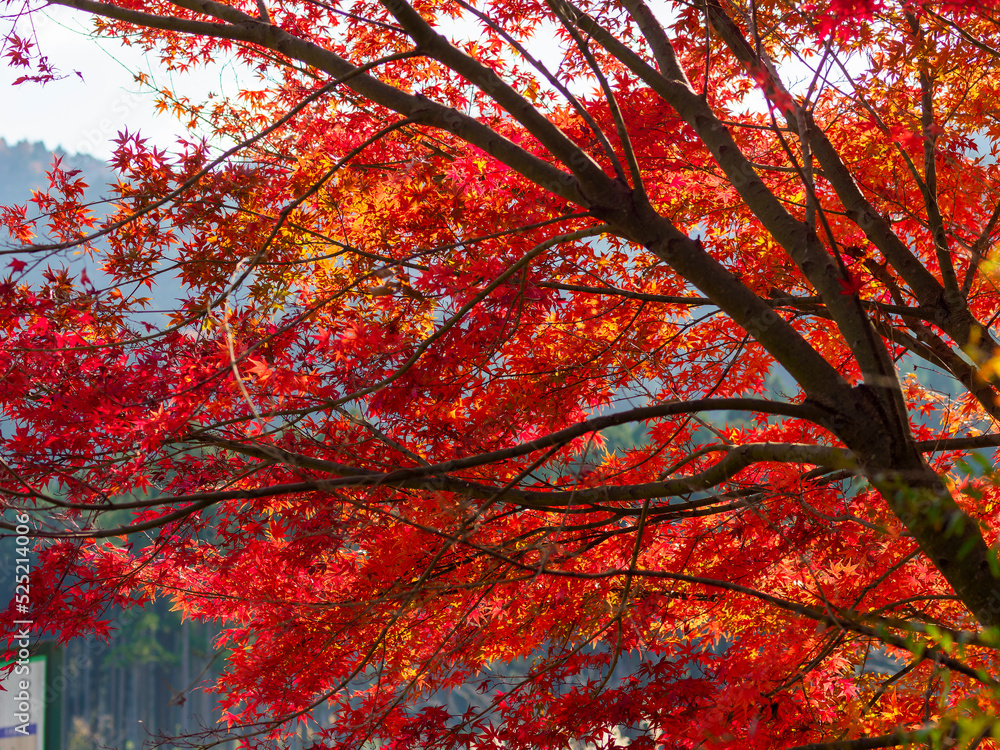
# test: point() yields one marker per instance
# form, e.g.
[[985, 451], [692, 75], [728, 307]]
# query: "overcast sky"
[[83, 116]]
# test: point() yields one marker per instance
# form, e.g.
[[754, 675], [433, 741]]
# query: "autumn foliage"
[[632, 367]]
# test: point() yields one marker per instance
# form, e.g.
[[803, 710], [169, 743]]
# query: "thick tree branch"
[[593, 180], [875, 422], [951, 310], [798, 239], [245, 28], [576, 500], [894, 739]]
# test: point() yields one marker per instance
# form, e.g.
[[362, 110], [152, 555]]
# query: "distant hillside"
[[148, 678], [23, 167]]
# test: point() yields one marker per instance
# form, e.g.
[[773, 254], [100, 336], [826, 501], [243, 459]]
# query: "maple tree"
[[423, 272]]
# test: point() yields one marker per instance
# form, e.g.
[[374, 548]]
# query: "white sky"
[[83, 116]]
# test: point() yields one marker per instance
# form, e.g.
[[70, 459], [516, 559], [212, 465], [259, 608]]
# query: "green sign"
[[30, 702]]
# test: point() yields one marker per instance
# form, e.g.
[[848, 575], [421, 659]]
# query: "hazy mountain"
[[148, 678], [23, 167]]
